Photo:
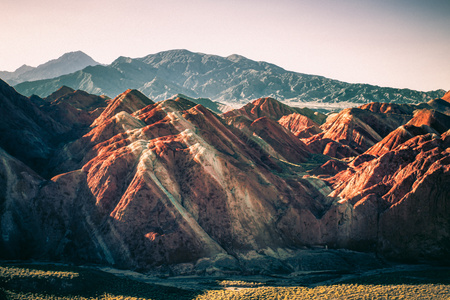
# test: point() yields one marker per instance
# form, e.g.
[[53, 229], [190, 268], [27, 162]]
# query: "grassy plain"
[[44, 281]]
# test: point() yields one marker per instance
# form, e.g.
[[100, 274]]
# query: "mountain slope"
[[300, 125], [75, 109], [446, 97], [26, 132], [270, 108], [224, 79], [33, 129], [18, 186], [354, 130], [66, 64], [408, 186], [172, 188], [169, 184]]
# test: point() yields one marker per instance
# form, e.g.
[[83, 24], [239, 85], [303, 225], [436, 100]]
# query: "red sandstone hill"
[[354, 130], [271, 108], [398, 137], [61, 92], [175, 184], [173, 188], [404, 178], [103, 127], [389, 108], [76, 109], [424, 121], [446, 97], [78, 99], [300, 125], [129, 101], [257, 120], [431, 118], [359, 127], [440, 105], [280, 142], [407, 187]]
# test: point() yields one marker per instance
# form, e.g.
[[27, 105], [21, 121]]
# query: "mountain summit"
[[66, 64], [224, 79]]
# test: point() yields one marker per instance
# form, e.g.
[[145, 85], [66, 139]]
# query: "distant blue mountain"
[[225, 79], [66, 64]]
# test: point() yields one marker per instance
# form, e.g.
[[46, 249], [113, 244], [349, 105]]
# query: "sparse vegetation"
[[340, 291], [18, 281], [239, 283], [315, 160], [65, 282]]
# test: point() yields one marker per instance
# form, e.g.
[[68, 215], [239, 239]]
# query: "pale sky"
[[396, 43]]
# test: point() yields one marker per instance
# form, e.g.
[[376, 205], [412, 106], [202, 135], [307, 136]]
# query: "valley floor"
[[53, 281]]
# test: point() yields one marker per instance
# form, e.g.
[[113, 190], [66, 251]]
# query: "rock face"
[[78, 99], [26, 132], [224, 79], [300, 125], [280, 140], [201, 190], [353, 131], [19, 186], [360, 128], [432, 119], [128, 102], [173, 188], [446, 97], [76, 109], [403, 177], [270, 108], [407, 186], [440, 105], [61, 92], [398, 137], [389, 108], [34, 129]]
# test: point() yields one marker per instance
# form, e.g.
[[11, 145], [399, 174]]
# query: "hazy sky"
[[398, 43]]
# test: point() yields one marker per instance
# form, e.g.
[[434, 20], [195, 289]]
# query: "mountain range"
[[232, 79], [172, 187], [66, 64]]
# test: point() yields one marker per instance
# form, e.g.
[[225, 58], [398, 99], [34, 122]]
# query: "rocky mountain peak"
[[76, 55], [62, 91], [22, 69], [65, 64], [434, 119], [397, 137], [268, 107], [236, 57], [129, 101], [385, 108]]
